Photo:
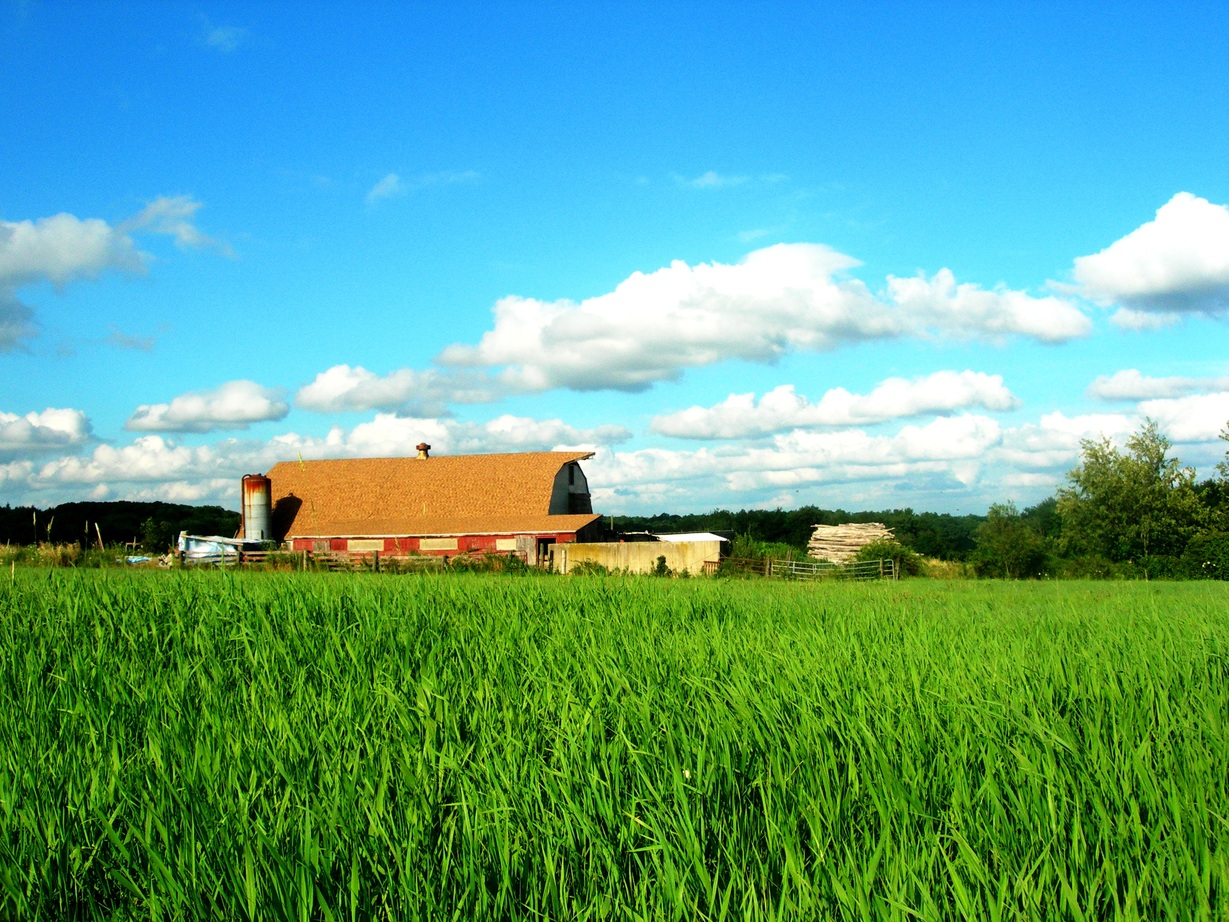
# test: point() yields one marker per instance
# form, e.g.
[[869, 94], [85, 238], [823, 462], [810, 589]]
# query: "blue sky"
[[752, 255]]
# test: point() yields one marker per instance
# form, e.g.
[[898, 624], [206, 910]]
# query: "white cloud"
[[776, 300], [1197, 418], [942, 307], [173, 216], [1140, 321], [1176, 263], [1053, 443], [389, 435], [950, 448], [63, 249], [234, 405], [51, 429], [1130, 384], [147, 459], [740, 416], [344, 388]]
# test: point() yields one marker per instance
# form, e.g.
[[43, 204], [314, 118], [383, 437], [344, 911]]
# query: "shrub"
[[1090, 566], [588, 568], [905, 561], [1206, 557]]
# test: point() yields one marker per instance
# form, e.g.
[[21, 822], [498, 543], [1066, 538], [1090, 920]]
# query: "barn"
[[445, 505]]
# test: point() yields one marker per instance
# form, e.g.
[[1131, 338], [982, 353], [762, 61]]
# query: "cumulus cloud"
[[941, 306], [1130, 384], [777, 300], [234, 405], [952, 447], [1197, 418], [1053, 443], [63, 249], [389, 435], [52, 429], [344, 388], [741, 416], [1177, 263]]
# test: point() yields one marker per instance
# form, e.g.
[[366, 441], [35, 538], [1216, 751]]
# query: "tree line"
[[153, 525]]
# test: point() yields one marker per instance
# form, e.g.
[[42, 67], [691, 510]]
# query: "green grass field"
[[298, 746]]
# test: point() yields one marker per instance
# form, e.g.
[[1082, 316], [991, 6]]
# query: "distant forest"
[[154, 525]]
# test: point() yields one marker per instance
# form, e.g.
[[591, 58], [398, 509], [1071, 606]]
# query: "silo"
[[257, 507]]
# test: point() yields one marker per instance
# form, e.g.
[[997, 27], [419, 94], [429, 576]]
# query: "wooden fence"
[[807, 569]]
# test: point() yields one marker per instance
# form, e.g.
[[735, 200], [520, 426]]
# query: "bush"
[[905, 561], [934, 568], [1206, 557], [1090, 566], [588, 568]]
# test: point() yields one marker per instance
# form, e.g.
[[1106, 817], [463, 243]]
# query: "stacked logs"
[[841, 543]]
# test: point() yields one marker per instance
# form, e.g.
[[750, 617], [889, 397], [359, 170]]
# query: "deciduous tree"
[[1129, 506], [1008, 546]]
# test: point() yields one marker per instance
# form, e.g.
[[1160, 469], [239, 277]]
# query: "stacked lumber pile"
[[841, 543]]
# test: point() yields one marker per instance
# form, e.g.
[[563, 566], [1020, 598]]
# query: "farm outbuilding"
[[447, 505]]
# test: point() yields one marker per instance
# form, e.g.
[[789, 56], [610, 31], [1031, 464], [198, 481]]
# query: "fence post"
[[375, 561], [881, 568]]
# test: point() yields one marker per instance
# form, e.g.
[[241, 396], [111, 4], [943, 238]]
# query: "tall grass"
[[269, 746]]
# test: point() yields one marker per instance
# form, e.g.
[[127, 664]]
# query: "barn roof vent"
[[423, 448]]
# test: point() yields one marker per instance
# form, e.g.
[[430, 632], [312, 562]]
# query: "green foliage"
[[906, 562], [588, 568], [1009, 546], [1206, 557], [1138, 505], [1090, 566], [156, 537], [1044, 518], [1222, 468], [660, 568], [185, 744], [746, 547]]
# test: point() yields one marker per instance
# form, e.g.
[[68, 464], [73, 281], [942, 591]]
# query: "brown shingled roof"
[[450, 494]]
